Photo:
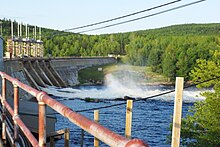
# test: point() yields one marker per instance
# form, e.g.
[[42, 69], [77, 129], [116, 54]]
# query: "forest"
[[171, 51], [188, 50]]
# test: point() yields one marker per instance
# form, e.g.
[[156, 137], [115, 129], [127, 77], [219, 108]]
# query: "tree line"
[[201, 125], [190, 50], [171, 51]]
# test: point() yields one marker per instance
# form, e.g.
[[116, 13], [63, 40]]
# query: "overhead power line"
[[145, 98], [154, 14], [135, 100], [113, 19]]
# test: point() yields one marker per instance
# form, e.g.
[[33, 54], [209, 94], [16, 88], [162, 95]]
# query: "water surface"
[[151, 118]]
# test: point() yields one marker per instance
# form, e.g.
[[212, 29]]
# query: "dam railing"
[[103, 134]]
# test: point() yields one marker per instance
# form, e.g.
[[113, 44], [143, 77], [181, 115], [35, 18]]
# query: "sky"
[[65, 14]]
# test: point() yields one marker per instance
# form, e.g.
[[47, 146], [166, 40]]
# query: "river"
[[151, 118]]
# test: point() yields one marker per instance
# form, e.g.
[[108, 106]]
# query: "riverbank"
[[141, 75]]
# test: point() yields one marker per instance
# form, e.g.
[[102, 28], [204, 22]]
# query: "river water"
[[151, 118]]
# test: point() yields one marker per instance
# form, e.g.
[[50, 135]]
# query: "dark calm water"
[[151, 119]]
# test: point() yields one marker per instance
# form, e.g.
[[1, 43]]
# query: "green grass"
[[92, 75]]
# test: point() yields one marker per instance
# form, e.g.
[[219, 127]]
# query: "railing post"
[[3, 109], [16, 111], [42, 124], [96, 119], [177, 112], [66, 137], [128, 119], [82, 138], [52, 143]]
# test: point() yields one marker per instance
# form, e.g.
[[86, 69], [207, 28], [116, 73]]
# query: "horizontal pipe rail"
[[97, 130], [22, 126]]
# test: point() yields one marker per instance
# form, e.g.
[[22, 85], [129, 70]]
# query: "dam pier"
[[44, 72]]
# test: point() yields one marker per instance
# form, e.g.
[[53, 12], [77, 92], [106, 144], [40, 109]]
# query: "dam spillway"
[[44, 72]]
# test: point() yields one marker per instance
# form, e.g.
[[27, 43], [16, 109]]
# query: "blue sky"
[[64, 14]]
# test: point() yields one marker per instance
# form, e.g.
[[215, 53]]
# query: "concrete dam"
[[44, 72]]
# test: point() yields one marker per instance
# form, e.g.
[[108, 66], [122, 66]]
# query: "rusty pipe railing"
[[22, 126], [97, 130], [14, 113]]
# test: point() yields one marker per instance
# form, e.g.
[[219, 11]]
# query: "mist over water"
[[120, 86]]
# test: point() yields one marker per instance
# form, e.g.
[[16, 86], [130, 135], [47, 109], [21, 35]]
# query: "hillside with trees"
[[171, 51], [201, 125], [189, 50]]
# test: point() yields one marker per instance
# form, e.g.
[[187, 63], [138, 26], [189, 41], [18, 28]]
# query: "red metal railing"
[[14, 112], [97, 130]]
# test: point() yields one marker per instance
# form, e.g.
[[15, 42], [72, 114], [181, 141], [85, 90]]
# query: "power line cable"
[[185, 87], [154, 14], [140, 99], [64, 33], [124, 16], [164, 93], [146, 98], [114, 105]]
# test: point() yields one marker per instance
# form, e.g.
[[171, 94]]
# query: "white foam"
[[115, 89]]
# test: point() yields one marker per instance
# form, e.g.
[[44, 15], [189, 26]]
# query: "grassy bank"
[[141, 74]]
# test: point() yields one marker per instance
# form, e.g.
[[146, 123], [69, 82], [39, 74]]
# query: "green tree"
[[154, 59], [182, 65], [202, 128], [169, 63]]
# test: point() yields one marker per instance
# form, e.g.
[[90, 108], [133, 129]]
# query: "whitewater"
[[116, 88], [151, 118]]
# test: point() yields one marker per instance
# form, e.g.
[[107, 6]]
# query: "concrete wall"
[[81, 62], [15, 69], [64, 69], [68, 68]]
